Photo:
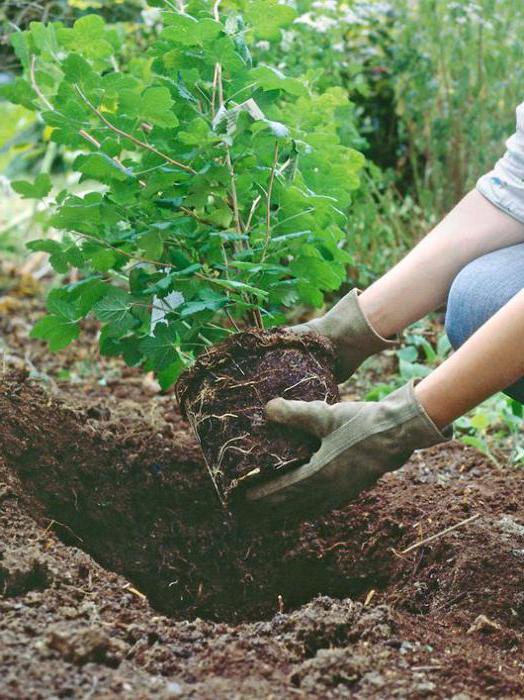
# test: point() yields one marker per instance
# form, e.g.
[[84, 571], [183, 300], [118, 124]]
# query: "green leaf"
[[267, 18], [56, 330], [20, 44], [152, 244], [517, 408], [78, 70], [19, 92], [320, 273], [80, 214], [88, 37], [269, 78], [254, 267], [443, 346], [235, 285], [114, 307], [109, 345], [62, 255], [185, 30], [476, 442], [162, 347], [410, 370], [408, 354], [59, 305], [166, 283], [195, 307], [43, 38], [41, 187], [221, 216], [102, 259], [86, 293], [479, 421], [168, 376], [309, 294], [100, 166], [197, 132], [157, 107], [429, 352]]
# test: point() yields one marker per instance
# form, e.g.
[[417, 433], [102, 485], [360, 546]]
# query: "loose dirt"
[[121, 576], [224, 393]]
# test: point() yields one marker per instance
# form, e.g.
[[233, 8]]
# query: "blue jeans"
[[479, 291]]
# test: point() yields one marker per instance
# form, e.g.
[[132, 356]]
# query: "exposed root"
[[225, 393], [224, 448], [300, 381], [216, 416]]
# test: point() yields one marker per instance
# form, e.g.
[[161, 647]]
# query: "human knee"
[[480, 289], [460, 301]]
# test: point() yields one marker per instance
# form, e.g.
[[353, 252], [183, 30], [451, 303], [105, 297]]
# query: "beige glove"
[[361, 441], [349, 330]]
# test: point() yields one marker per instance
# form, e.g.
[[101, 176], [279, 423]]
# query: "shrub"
[[213, 191]]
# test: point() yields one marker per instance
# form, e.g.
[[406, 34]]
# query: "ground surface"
[[120, 576]]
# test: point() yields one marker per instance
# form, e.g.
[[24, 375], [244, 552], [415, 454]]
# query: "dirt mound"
[[108, 522], [85, 632], [139, 500], [123, 481]]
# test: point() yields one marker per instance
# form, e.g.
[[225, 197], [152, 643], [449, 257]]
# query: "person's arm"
[[421, 281], [361, 441], [360, 324], [491, 360]]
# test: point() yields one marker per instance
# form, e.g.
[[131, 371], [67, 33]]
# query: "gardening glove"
[[350, 332], [360, 441]]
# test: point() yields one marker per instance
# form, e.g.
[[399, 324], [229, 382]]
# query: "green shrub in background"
[[218, 188], [458, 74], [348, 45], [435, 84]]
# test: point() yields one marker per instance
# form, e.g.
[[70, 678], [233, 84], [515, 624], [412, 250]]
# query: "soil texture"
[[122, 577], [223, 396]]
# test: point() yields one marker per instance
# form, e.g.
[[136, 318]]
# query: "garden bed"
[[121, 575]]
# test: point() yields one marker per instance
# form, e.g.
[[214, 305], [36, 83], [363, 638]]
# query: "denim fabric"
[[479, 291]]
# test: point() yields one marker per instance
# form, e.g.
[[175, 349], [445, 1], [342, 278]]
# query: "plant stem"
[[218, 86], [130, 137], [236, 210], [258, 319], [440, 534], [191, 213], [82, 132], [232, 321], [214, 91], [36, 87], [268, 202], [255, 204], [140, 259]]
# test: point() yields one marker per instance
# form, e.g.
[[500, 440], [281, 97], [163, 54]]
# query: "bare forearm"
[[421, 281], [491, 360]]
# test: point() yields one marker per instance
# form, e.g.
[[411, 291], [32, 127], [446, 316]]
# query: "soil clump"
[[223, 396]]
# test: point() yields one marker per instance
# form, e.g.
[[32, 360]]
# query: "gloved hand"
[[349, 330], [360, 441]]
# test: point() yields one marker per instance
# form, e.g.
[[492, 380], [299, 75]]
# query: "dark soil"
[[109, 522], [223, 395]]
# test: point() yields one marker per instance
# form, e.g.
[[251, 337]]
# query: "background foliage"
[[432, 88]]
